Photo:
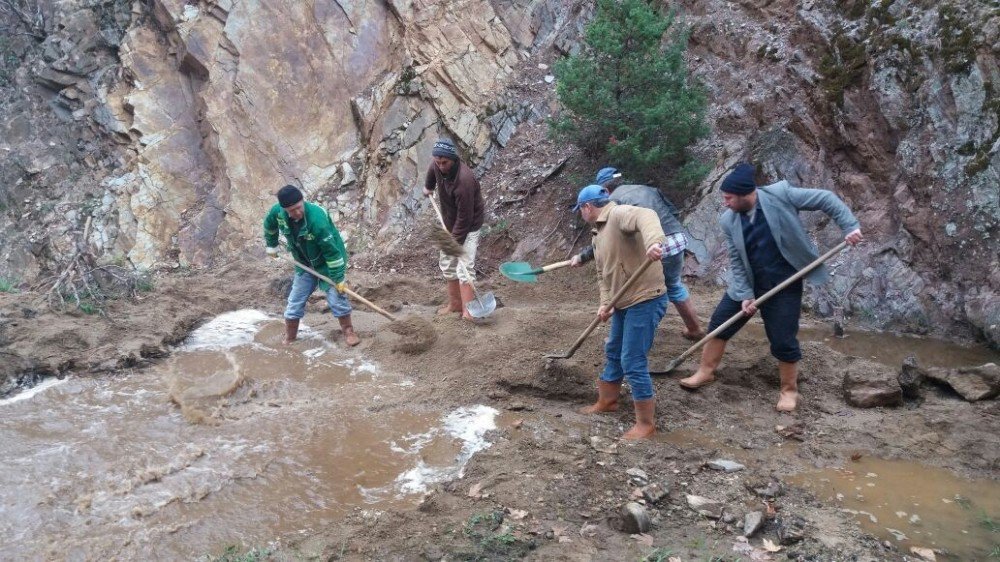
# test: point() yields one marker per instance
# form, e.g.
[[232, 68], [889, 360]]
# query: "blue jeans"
[[303, 285], [673, 266], [632, 332]]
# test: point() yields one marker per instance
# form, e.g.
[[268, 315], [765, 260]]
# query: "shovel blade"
[[563, 355], [482, 306], [519, 271]]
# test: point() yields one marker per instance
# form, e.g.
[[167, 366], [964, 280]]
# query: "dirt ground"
[[547, 489]]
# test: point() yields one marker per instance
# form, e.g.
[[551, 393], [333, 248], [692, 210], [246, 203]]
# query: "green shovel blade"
[[519, 271]]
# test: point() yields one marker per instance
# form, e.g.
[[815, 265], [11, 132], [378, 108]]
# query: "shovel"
[[522, 272], [763, 298], [349, 292], [484, 305], [597, 320]]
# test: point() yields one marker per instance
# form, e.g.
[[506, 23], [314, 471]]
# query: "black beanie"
[[289, 195], [445, 148], [740, 181]]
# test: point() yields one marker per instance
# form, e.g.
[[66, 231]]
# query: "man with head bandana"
[[462, 209], [314, 241], [767, 245]]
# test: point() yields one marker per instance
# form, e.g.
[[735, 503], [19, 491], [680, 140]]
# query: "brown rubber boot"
[[468, 295], [692, 327], [607, 398], [788, 399], [711, 356], [350, 338], [291, 330], [454, 303], [645, 420]]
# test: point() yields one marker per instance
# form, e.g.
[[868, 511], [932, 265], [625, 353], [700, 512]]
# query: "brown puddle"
[[914, 506], [891, 349], [267, 440]]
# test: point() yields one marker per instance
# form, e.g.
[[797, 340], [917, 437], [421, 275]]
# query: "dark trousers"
[[781, 319]]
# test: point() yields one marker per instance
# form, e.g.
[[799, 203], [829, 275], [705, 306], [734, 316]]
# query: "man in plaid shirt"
[[649, 197]]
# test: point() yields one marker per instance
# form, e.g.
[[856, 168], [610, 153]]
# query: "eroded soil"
[[547, 489]]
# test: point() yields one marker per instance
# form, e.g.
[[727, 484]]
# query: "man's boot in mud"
[[692, 327], [454, 303], [350, 338], [468, 295], [788, 399], [607, 398], [645, 420], [291, 330], [711, 356]]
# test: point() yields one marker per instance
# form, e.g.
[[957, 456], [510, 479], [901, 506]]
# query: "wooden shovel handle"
[[761, 300], [551, 267], [349, 292], [614, 300]]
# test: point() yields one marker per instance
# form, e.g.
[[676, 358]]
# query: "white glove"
[[272, 252]]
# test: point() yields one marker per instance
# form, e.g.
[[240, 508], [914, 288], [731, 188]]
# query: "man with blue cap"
[[625, 237], [649, 197], [767, 245]]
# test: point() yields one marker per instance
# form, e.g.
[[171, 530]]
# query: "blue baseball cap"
[[605, 175], [590, 194]]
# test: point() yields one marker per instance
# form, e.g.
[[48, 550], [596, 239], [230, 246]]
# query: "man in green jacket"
[[314, 241]]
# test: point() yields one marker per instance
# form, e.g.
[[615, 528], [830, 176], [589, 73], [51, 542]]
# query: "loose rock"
[[706, 506], [867, 391], [752, 523], [635, 519], [725, 465], [972, 383], [655, 492], [638, 476], [791, 529], [911, 376]]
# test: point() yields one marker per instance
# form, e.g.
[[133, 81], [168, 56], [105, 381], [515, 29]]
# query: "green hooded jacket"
[[317, 245]]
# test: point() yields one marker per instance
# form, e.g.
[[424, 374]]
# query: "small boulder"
[[752, 523], [655, 492], [871, 389], [791, 530], [972, 383], [706, 507], [635, 519], [910, 378], [725, 465], [638, 476]]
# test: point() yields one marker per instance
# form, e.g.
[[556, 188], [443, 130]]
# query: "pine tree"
[[627, 95]]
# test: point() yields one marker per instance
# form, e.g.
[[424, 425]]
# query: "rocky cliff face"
[[171, 124], [892, 105]]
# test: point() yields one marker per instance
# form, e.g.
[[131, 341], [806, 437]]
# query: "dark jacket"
[[461, 199], [318, 243]]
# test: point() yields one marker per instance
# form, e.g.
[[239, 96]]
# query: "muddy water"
[[235, 440], [914, 506], [892, 349]]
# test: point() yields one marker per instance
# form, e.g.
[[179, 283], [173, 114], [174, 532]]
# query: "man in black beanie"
[[767, 245], [462, 209], [313, 241]]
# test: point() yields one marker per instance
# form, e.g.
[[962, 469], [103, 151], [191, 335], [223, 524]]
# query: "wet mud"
[[551, 485]]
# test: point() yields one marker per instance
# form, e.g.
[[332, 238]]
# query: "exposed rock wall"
[[892, 106], [171, 123]]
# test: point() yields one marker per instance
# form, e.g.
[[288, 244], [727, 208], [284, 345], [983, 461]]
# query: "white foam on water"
[[468, 424], [228, 330], [40, 387]]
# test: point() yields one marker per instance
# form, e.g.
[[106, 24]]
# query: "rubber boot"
[[468, 295], [711, 356], [291, 330], [607, 398], [350, 338], [788, 399], [454, 303], [645, 420], [692, 327]]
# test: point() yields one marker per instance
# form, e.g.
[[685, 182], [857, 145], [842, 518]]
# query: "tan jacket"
[[623, 234]]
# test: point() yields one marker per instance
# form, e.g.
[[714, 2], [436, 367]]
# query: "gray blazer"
[[782, 203]]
